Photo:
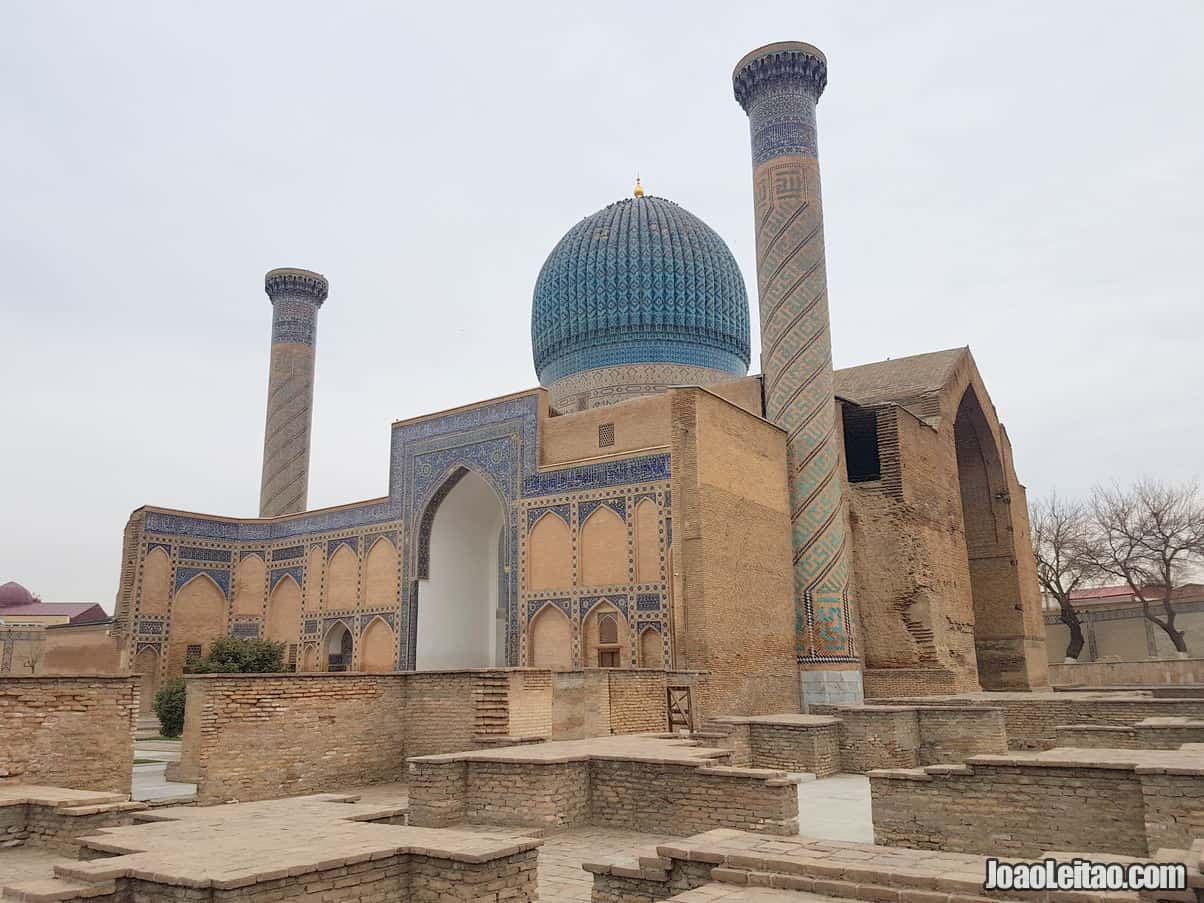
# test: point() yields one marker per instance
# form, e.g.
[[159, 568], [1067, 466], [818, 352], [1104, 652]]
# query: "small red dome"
[[13, 594]]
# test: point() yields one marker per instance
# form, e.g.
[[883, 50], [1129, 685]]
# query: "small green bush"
[[169, 706], [238, 655]]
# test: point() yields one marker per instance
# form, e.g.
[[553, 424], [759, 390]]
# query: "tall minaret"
[[296, 296], [778, 86]]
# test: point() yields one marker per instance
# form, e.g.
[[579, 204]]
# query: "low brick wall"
[[874, 736], [955, 733], [1012, 810], [1032, 719], [678, 799], [1152, 733], [68, 730], [795, 743], [887, 683], [632, 794], [1131, 673], [258, 736], [1131, 804]]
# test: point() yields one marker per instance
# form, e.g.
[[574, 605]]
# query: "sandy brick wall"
[[637, 701], [630, 794], [253, 736], [1012, 810], [1157, 733], [530, 703], [886, 683], [682, 799], [68, 731], [555, 795], [878, 737], [439, 712], [1137, 673], [815, 749], [1032, 719], [731, 540], [580, 704], [955, 733]]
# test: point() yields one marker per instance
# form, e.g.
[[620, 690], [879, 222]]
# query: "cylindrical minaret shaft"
[[296, 296], [778, 86]]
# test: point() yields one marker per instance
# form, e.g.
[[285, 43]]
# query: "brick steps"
[[55, 890], [491, 705]]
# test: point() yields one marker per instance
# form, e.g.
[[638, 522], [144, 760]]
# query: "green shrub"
[[169, 706], [238, 655]]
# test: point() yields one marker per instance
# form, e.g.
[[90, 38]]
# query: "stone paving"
[[835, 808]]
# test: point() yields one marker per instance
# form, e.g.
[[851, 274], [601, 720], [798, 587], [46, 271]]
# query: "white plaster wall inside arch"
[[460, 621]]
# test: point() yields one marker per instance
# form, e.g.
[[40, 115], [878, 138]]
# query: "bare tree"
[[1062, 533], [1150, 536]]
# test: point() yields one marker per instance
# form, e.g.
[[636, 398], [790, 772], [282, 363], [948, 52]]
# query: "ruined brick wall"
[[1032, 719], [1012, 810], [580, 704], [68, 731], [911, 571], [553, 795], [1138, 673], [731, 541], [440, 713], [888, 683], [252, 736], [1174, 808], [1157, 733], [814, 748], [682, 799], [530, 704], [955, 733], [942, 586], [877, 737], [637, 701]]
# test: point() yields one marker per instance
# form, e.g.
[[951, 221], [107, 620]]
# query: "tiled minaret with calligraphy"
[[296, 296], [778, 86]]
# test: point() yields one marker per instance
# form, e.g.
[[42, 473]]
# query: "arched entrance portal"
[[994, 579], [461, 594], [339, 647]]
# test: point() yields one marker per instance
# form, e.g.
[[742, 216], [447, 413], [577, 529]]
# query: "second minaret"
[[296, 296], [778, 86]]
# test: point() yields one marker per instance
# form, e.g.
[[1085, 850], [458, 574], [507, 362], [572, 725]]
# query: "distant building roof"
[[17, 601], [1098, 595]]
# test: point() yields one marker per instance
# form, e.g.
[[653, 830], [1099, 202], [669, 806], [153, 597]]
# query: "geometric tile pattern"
[[641, 280], [778, 88], [296, 296]]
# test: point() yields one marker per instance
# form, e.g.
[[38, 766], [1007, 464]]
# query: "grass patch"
[[172, 739], [147, 762]]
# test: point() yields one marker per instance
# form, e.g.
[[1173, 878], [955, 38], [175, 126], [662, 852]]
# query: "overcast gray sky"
[[1021, 177]]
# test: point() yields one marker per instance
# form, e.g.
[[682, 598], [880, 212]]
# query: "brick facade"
[[68, 731]]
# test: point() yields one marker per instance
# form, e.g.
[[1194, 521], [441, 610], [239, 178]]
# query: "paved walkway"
[[836, 808]]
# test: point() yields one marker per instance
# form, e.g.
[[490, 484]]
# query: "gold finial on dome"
[[639, 189]]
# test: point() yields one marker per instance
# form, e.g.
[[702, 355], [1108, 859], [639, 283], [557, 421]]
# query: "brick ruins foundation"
[[68, 730]]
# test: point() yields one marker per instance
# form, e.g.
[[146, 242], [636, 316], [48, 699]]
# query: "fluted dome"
[[642, 281]]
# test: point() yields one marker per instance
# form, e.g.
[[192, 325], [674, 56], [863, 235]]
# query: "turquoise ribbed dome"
[[640, 281]]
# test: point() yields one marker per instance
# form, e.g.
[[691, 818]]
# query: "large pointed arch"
[[462, 588], [378, 647], [999, 636], [156, 582], [603, 547], [283, 623], [198, 617], [549, 554], [380, 574], [550, 639]]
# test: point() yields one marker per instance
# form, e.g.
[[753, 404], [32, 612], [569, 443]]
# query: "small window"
[[608, 658], [292, 656], [193, 650], [862, 462], [606, 435], [608, 630]]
